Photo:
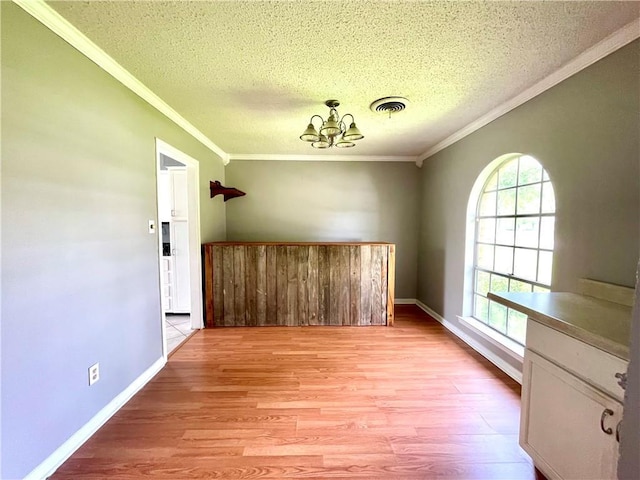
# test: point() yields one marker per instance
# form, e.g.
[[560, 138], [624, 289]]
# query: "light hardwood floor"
[[403, 402]]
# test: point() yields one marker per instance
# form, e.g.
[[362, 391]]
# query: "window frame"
[[473, 241]]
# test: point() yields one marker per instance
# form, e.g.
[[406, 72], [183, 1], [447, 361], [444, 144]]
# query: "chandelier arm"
[[349, 115], [314, 116]]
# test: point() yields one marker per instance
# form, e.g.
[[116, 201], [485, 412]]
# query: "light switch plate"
[[152, 226]]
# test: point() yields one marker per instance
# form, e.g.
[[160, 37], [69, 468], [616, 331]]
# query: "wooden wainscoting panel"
[[391, 284], [343, 286], [207, 254], [324, 286], [365, 285], [261, 285], [282, 285], [354, 285], [334, 286], [272, 285], [376, 285], [251, 285], [229, 318], [239, 276], [312, 285], [292, 286], [218, 286], [299, 284], [303, 286]]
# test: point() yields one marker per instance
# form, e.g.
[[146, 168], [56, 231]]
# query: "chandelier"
[[333, 132]]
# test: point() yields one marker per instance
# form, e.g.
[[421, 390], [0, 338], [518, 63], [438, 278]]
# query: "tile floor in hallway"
[[178, 329]]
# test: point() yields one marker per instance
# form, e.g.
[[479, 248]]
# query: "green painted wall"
[[80, 281], [585, 132], [329, 201]]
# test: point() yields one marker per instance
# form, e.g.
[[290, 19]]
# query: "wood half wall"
[[298, 284]]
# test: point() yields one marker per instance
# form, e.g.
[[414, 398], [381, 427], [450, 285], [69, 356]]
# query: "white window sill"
[[505, 344]]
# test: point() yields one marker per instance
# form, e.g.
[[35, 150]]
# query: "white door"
[[181, 292]]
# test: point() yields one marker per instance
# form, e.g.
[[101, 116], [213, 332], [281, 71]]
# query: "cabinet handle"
[[618, 431], [605, 413], [622, 380]]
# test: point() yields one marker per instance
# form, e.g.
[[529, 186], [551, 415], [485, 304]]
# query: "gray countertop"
[[605, 325]]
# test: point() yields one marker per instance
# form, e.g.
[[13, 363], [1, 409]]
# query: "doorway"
[[179, 245]]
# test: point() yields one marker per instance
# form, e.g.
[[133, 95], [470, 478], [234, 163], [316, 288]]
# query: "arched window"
[[513, 240]]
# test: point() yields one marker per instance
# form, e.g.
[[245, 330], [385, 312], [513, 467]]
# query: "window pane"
[[481, 309], [499, 283], [498, 316], [487, 230], [504, 235], [518, 286], [547, 225], [545, 175], [492, 183], [537, 289], [527, 232], [525, 263], [544, 268], [529, 199], [488, 204], [517, 326], [507, 175], [530, 170], [482, 282], [548, 198], [507, 202], [485, 256], [504, 259]]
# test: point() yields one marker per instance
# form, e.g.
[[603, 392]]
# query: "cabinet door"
[[179, 194], [164, 196], [562, 425], [166, 275], [181, 300]]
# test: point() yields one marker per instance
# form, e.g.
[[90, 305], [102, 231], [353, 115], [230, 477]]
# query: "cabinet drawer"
[[593, 365]]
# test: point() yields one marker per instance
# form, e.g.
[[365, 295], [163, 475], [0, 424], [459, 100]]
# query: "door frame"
[[193, 217]]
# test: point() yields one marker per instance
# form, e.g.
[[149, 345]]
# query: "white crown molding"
[[55, 22], [322, 158], [610, 44]]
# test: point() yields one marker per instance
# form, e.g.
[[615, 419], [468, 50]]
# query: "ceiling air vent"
[[389, 105]]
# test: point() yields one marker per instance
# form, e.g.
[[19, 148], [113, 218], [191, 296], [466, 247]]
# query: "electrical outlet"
[[94, 373]]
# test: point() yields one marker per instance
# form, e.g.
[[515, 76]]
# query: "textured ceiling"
[[249, 74]]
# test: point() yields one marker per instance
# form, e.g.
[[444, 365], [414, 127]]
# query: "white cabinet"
[[571, 406], [175, 269], [164, 196], [181, 289], [172, 194], [178, 190], [166, 275]]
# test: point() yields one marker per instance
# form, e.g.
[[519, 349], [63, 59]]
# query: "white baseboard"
[[64, 451], [404, 301], [477, 346]]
